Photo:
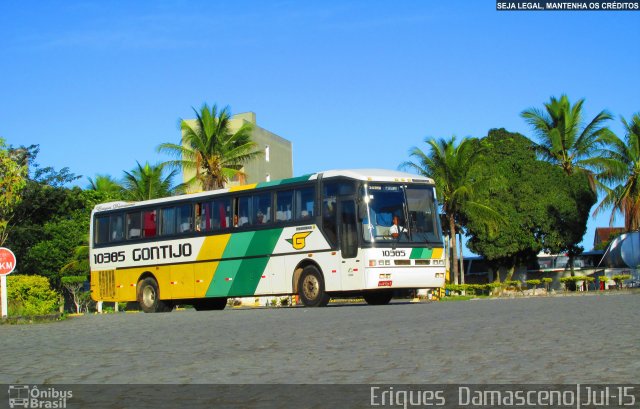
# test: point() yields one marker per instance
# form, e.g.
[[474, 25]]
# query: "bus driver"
[[395, 228]]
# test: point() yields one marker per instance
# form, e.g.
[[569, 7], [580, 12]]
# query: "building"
[[605, 234], [276, 162]]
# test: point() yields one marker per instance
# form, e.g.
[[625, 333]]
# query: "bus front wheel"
[[382, 297], [149, 297], [311, 288]]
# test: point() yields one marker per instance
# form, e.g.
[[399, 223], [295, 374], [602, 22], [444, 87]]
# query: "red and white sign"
[[7, 261]]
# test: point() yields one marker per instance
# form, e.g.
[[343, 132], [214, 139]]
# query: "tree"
[[623, 171], [452, 166], [148, 182], [542, 208], [564, 141], [106, 185], [74, 286], [520, 192], [211, 149], [562, 138], [12, 182]]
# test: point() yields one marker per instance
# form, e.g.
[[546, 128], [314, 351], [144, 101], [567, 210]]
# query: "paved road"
[[541, 340]]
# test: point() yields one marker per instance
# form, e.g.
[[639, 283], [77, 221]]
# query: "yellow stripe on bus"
[[243, 187], [213, 247], [437, 253]]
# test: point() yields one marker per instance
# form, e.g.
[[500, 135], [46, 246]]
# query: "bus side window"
[[220, 214], [284, 205], [149, 223], [168, 221], [185, 223], [134, 225], [244, 211], [305, 201], [262, 208], [101, 230], [202, 220], [116, 229]]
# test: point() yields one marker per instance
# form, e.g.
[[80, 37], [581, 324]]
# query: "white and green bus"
[[320, 235]]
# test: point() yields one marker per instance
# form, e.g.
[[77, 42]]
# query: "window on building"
[[267, 150]]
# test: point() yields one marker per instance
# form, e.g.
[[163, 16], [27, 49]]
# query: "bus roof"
[[371, 175]]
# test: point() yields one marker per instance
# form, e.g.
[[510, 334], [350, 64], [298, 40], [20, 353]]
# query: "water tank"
[[624, 251]]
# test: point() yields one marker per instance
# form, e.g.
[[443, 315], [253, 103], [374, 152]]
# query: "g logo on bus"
[[298, 241]]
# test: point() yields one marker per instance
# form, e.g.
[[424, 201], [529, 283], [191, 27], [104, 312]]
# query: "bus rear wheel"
[[210, 304], [149, 297], [311, 288], [378, 297]]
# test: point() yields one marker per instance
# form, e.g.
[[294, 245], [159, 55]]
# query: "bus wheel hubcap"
[[311, 287], [148, 295]]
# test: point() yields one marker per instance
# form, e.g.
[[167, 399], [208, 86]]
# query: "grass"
[[463, 297]]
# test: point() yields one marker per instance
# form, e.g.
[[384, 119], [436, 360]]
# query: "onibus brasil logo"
[[26, 396], [298, 240]]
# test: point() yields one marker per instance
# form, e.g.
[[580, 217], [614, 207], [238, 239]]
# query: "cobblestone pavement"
[[532, 340]]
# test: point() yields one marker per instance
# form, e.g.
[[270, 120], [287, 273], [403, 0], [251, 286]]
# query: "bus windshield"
[[413, 207]]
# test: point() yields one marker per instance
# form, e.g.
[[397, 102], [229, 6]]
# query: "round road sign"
[[7, 261]]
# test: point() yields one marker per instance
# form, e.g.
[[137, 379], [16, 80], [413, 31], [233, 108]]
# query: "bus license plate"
[[385, 283]]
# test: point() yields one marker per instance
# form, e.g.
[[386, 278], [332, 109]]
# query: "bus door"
[[352, 274]]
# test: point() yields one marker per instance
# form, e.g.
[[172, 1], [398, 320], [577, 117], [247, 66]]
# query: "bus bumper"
[[415, 277]]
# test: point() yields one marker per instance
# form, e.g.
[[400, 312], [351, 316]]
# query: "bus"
[[317, 236]]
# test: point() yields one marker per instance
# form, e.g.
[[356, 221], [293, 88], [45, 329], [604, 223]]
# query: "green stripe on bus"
[[421, 253], [302, 178], [252, 269], [238, 245], [241, 277], [248, 277], [223, 279], [263, 242]]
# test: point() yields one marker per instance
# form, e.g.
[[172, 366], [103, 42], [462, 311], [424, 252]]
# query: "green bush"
[[31, 295], [471, 289], [547, 282], [515, 284], [620, 278]]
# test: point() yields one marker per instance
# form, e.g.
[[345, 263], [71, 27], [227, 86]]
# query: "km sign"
[[7, 261]]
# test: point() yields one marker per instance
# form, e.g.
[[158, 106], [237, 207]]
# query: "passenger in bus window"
[[260, 217], [198, 217], [235, 220]]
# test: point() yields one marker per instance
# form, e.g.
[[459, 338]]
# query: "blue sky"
[[98, 85]]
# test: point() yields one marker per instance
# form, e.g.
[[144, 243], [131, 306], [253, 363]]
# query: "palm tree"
[[564, 140], [105, 184], [451, 166], [623, 171], [211, 149], [148, 182]]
